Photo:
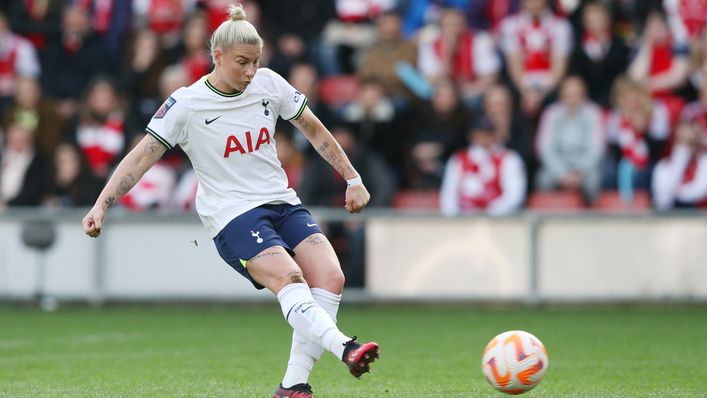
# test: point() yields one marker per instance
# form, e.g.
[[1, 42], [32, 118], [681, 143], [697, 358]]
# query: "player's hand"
[[93, 221], [357, 198]]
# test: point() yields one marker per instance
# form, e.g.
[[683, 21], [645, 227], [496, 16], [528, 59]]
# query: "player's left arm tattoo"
[[328, 149], [336, 158], [302, 124]]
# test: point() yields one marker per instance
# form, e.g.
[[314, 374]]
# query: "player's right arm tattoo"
[[128, 174], [109, 202], [125, 184], [154, 148]]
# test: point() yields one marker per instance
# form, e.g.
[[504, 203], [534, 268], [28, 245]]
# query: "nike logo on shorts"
[[207, 121], [311, 225]]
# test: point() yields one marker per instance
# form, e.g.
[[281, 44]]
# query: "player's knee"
[[333, 280], [337, 278]]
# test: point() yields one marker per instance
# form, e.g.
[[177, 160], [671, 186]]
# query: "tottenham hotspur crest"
[[257, 237]]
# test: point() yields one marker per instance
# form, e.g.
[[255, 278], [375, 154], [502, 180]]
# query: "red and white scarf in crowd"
[[633, 144], [8, 66], [536, 42], [480, 177], [462, 65], [101, 144]]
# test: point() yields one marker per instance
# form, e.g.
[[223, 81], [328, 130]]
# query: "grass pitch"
[[425, 352]]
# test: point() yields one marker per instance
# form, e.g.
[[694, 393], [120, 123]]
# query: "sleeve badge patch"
[[164, 108]]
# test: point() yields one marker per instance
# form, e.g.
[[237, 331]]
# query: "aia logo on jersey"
[[164, 108], [234, 145]]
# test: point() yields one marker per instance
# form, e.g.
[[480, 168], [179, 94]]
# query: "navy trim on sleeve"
[[301, 109], [158, 138]]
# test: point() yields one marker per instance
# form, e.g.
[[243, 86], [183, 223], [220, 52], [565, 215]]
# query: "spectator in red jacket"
[[18, 58], [687, 18], [196, 59], [458, 53], [662, 62], [100, 128], [536, 45]]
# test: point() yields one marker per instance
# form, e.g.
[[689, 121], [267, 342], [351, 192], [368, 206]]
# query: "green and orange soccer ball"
[[514, 362]]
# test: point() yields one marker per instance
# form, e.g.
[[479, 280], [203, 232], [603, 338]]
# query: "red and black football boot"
[[358, 356], [300, 390]]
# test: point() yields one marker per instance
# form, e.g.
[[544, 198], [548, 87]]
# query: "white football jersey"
[[230, 141]]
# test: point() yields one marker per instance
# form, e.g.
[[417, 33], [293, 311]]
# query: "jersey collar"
[[219, 92]]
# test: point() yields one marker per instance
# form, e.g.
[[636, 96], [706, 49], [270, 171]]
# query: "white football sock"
[[327, 300], [300, 364], [309, 318], [305, 352]]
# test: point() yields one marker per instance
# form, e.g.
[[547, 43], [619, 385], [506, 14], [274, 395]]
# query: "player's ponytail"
[[235, 30]]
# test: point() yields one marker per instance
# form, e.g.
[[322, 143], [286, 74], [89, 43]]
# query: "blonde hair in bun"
[[235, 30], [236, 12]]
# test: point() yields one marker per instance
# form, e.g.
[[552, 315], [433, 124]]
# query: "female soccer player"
[[225, 123]]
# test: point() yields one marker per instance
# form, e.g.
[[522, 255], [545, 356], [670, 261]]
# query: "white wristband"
[[354, 181]]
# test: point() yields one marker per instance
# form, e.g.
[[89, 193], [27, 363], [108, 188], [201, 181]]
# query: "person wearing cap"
[[485, 177]]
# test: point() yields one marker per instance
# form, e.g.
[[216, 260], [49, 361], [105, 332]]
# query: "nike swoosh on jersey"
[[207, 121], [311, 225]]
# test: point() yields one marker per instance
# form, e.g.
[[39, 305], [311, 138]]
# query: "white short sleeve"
[[27, 60], [659, 127], [290, 103], [561, 37], [168, 124], [486, 61], [509, 35]]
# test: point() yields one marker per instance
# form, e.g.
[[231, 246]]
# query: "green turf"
[[430, 352]]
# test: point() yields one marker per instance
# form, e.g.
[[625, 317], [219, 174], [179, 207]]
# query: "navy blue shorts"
[[260, 228]]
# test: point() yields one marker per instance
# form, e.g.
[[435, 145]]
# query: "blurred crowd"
[[466, 105]]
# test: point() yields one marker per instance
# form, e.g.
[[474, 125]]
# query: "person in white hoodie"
[[680, 180], [485, 177]]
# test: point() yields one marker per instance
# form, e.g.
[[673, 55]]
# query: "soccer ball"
[[514, 362]]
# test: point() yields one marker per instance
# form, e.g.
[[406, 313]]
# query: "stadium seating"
[[336, 91], [419, 200], [555, 201], [611, 201]]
